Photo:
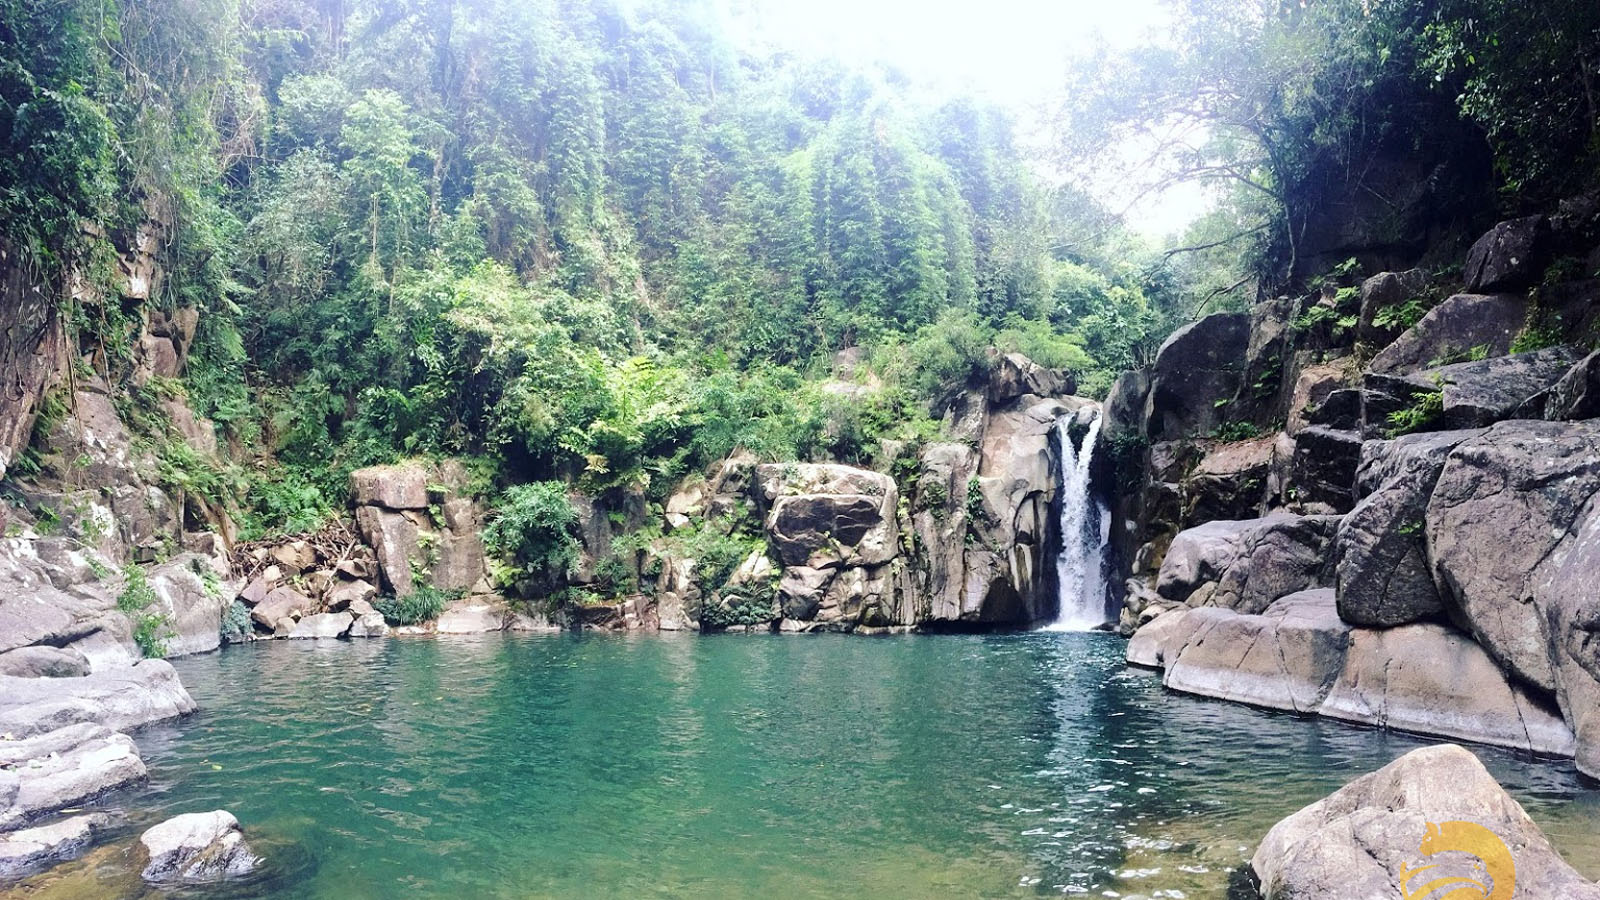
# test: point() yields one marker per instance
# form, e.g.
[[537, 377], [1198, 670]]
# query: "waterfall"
[[1085, 530]]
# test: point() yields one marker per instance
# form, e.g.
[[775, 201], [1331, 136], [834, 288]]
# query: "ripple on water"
[[594, 765]]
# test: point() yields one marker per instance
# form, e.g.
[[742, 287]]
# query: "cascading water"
[[1085, 527]]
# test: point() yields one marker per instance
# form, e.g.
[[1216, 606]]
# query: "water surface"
[[741, 766]]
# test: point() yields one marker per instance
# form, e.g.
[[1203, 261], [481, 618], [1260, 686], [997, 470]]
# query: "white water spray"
[[1085, 527]]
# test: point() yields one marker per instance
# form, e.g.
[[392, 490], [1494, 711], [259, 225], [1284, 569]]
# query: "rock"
[[1455, 328], [368, 625], [63, 768], [391, 487], [1340, 410], [1432, 679], [30, 847], [323, 625], [1577, 394], [1323, 467], [1230, 482], [800, 591], [1569, 592], [1481, 393], [1504, 502], [1312, 389], [345, 594], [1245, 565], [830, 515], [1015, 375], [197, 847], [192, 598], [294, 557], [1287, 658], [118, 698], [1160, 639], [471, 616], [1357, 843], [281, 603], [1382, 291], [357, 569], [1383, 573], [1197, 366], [199, 433], [43, 662], [457, 562], [396, 541], [1510, 257]]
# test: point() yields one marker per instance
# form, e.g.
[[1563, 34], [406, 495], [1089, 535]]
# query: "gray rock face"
[[1509, 257], [1569, 591], [1577, 394], [836, 532], [28, 848], [1481, 393], [391, 487], [1454, 328], [394, 537], [1384, 577], [1197, 366], [63, 768], [193, 605], [1246, 565], [118, 698], [323, 625], [43, 662], [1504, 502], [197, 847], [1357, 843], [1230, 482], [1015, 375], [1312, 388], [1382, 291], [471, 616], [279, 604], [1323, 468], [1431, 679], [1286, 658]]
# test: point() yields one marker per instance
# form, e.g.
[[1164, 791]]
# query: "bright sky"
[[1011, 52]]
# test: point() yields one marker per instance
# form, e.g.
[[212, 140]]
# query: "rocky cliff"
[[1381, 502]]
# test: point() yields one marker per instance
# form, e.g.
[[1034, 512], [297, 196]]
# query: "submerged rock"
[[1360, 842], [197, 847], [30, 847]]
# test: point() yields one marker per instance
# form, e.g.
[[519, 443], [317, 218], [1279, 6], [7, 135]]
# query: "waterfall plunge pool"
[[593, 765]]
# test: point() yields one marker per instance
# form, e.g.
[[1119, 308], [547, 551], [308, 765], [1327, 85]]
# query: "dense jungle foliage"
[[602, 242]]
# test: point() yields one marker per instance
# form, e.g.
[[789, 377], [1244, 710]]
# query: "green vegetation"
[[1422, 414], [423, 604], [535, 527], [152, 627]]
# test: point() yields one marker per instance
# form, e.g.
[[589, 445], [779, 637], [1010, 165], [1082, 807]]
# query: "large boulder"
[[1287, 658], [196, 847], [189, 592], [1568, 589], [1509, 257], [1455, 328], [1504, 502], [1322, 469], [1503, 387], [281, 603], [323, 625], [1384, 291], [396, 539], [1197, 367], [119, 698], [1015, 375], [1577, 394], [29, 848], [62, 768], [1229, 482], [1432, 679], [391, 487], [1384, 577], [43, 661], [1246, 565], [1373, 835], [1312, 389]]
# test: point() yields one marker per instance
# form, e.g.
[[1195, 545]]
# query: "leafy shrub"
[[1541, 331], [151, 629], [1422, 413], [536, 529], [423, 604], [1401, 315], [235, 620]]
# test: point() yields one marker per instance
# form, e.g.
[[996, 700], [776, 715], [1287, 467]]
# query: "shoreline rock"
[[197, 847]]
